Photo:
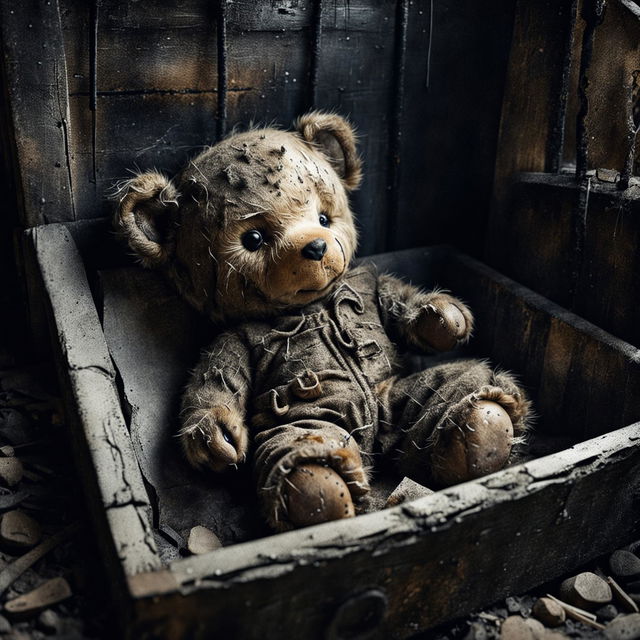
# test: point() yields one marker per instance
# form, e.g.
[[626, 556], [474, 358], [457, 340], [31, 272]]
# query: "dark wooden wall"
[[566, 214], [98, 88]]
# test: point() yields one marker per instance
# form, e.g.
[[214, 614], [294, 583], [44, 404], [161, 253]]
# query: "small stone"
[[477, 631], [607, 175], [553, 635], [537, 628], [18, 530], [406, 491], [624, 565], [513, 606], [5, 625], [49, 621], [549, 612], [516, 628], [624, 628], [606, 613], [202, 540], [8, 451], [586, 591], [47, 594], [11, 471]]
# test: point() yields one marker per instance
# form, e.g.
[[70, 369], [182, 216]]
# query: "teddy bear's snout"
[[315, 250]]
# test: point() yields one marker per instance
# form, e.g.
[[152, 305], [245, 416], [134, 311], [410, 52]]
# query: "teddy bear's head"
[[256, 224]]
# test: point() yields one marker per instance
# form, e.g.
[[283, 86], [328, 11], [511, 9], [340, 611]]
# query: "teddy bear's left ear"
[[335, 137], [145, 216]]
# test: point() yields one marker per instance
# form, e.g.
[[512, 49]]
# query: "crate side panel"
[[89, 380], [560, 357]]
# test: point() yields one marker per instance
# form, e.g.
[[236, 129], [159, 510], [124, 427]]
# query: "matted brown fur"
[[257, 233]]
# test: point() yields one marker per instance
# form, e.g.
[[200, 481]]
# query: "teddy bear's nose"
[[315, 249]]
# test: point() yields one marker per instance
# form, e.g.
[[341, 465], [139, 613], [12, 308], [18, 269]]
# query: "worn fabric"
[[326, 384]]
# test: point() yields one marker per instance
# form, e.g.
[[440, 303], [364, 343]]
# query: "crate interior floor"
[[154, 339]]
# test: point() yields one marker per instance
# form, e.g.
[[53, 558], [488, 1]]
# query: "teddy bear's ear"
[[335, 137], [146, 216]]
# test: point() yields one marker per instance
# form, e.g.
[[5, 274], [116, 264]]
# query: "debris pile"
[[43, 561], [603, 602]]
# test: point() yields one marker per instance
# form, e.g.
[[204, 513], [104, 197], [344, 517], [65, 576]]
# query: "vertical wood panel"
[[616, 56], [36, 80], [355, 78], [536, 71], [450, 128]]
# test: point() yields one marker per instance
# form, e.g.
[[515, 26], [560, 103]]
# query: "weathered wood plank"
[[36, 82], [355, 77], [431, 559], [616, 56], [450, 127], [529, 122], [128, 138], [104, 448], [173, 78]]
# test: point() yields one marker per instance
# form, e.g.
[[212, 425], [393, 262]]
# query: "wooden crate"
[[394, 572], [93, 88]]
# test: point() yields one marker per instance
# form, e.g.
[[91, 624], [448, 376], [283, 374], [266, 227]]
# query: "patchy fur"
[[256, 232]]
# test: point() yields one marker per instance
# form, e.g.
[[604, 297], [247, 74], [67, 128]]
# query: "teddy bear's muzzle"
[[307, 270]]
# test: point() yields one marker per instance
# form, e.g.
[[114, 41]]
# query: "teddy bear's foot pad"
[[316, 494], [480, 446]]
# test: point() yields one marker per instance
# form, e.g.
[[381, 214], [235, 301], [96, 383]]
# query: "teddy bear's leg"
[[458, 421], [308, 472]]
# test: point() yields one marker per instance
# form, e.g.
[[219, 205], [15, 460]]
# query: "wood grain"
[[36, 83]]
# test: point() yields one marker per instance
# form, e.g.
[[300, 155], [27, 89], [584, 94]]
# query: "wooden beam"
[[36, 80], [532, 124], [103, 446]]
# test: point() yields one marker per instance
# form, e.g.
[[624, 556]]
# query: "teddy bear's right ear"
[[146, 216], [336, 138]]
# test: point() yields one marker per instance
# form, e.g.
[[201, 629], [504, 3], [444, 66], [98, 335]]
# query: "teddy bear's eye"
[[252, 240], [323, 218]]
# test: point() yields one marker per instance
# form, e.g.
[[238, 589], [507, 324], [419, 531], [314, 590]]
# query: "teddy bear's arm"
[[432, 321], [214, 433]]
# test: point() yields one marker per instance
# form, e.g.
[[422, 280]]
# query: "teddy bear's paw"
[[474, 446], [214, 438], [314, 494], [444, 323]]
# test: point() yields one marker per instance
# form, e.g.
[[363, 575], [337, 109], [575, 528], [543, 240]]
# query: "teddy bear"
[[307, 379]]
